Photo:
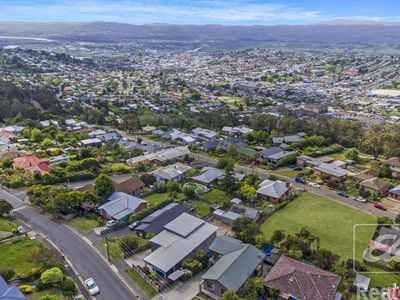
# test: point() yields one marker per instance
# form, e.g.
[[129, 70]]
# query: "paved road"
[[86, 261], [329, 194]]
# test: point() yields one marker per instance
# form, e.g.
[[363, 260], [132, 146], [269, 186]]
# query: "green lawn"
[[158, 198], [215, 196], [202, 208], [326, 219], [6, 224], [144, 285], [287, 173], [114, 245], [38, 295], [232, 100], [17, 254], [333, 223], [84, 225]]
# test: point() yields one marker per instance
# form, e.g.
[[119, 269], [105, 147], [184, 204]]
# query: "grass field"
[[215, 196], [287, 173], [158, 198], [6, 224], [84, 225], [326, 219], [114, 245], [17, 254], [333, 223], [144, 285]]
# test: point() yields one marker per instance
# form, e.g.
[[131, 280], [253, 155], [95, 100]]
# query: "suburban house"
[[394, 164], [264, 153], [236, 211], [208, 176], [121, 206], [59, 159], [237, 130], [181, 238], [331, 171], [289, 139], [204, 134], [275, 158], [156, 221], [376, 185], [273, 191], [132, 186], [394, 193], [111, 137], [247, 152], [235, 263], [93, 142], [231, 141], [211, 145], [31, 164], [161, 157], [175, 172], [298, 280], [8, 292], [11, 153], [307, 161], [365, 175]]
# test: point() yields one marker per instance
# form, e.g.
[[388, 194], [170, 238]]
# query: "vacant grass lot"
[[329, 220], [215, 196], [84, 225], [114, 244], [144, 285], [6, 224], [232, 100], [333, 223], [18, 254]]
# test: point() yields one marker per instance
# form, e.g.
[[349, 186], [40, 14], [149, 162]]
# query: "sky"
[[229, 12]]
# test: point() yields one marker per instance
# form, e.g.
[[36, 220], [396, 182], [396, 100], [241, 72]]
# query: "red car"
[[380, 206]]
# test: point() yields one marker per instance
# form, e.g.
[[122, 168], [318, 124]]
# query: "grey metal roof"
[[173, 247], [270, 151], [224, 244], [120, 204], [235, 267], [172, 171], [208, 175], [331, 170], [271, 188], [281, 154], [395, 190], [184, 225]]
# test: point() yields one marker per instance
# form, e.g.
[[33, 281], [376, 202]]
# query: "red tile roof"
[[302, 280], [31, 163]]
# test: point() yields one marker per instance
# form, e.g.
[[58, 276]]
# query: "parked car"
[[92, 287], [21, 229], [295, 168], [313, 184], [300, 180], [112, 223], [343, 194], [380, 206], [134, 225], [360, 199]]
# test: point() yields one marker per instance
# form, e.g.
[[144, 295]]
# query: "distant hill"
[[336, 32]]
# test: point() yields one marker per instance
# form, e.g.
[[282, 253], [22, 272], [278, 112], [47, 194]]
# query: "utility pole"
[[108, 250]]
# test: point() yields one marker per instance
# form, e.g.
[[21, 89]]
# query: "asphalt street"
[[86, 261]]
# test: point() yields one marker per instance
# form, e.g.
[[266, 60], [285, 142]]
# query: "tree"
[[277, 237], [52, 277], [174, 186], [5, 207], [232, 151], [224, 163], [394, 263], [385, 171], [131, 122], [189, 192], [253, 287], [325, 259], [68, 286], [247, 192], [229, 182], [103, 186], [353, 154], [373, 141], [49, 297], [36, 135], [129, 242], [148, 179], [397, 219], [229, 295]]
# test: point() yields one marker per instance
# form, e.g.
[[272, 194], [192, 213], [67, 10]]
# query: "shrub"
[[52, 277], [193, 265], [49, 297], [68, 286], [7, 273]]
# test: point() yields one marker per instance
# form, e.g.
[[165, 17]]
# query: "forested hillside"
[[26, 100]]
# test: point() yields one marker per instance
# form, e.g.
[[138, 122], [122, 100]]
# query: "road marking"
[[19, 208]]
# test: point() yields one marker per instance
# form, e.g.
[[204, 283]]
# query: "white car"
[[112, 223], [313, 184], [360, 199], [92, 287]]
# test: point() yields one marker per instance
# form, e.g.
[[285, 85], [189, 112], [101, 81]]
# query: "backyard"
[[84, 225], [144, 285], [157, 198]]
